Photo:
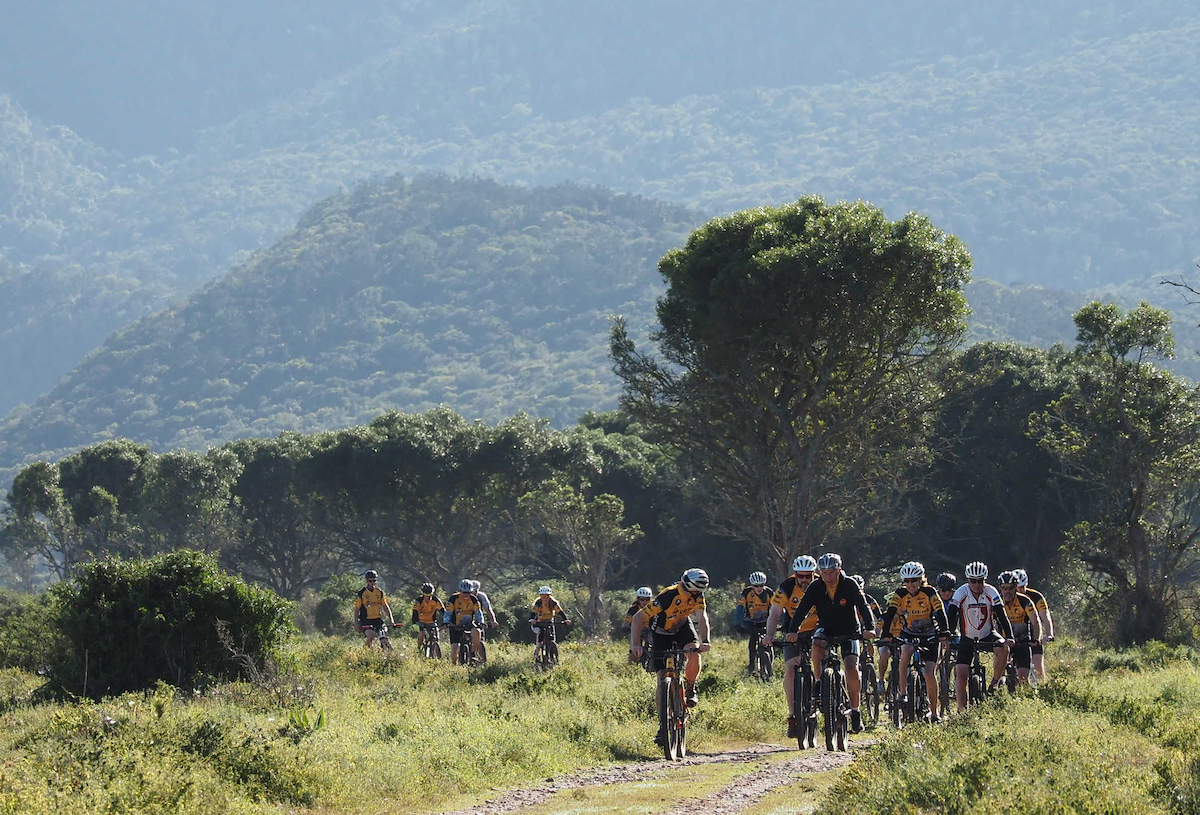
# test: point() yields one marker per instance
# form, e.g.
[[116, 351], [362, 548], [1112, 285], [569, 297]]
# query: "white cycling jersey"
[[977, 610]]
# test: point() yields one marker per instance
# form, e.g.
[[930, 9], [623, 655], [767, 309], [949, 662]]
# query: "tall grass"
[[350, 730]]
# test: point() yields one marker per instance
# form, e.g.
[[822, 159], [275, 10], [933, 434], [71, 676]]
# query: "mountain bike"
[[431, 645], [870, 684], [977, 684], [466, 654], [835, 700], [803, 682], [673, 712], [945, 672], [893, 694], [1011, 678], [916, 695], [545, 653], [385, 639], [761, 657]]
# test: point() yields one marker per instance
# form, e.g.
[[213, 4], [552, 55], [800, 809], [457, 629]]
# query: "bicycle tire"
[[766, 664], [802, 704], [870, 692], [828, 713], [944, 680], [895, 708], [842, 729], [681, 717], [1010, 678], [665, 718], [752, 654], [912, 698], [975, 692]]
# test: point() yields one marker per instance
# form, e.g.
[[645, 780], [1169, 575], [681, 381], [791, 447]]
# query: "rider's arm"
[[702, 625], [415, 617], [940, 619], [888, 616], [635, 628], [1001, 617], [391, 619], [772, 622], [1035, 624]]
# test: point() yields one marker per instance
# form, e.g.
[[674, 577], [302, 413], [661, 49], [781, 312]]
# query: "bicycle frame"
[[673, 712], [835, 701]]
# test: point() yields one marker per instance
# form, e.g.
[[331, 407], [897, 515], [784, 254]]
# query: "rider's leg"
[[905, 659], [999, 663], [931, 688], [476, 642], [853, 680], [789, 683], [960, 686]]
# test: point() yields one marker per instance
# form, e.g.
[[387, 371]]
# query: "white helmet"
[[976, 569], [830, 560], [912, 569], [466, 585], [804, 563], [1022, 577], [694, 580], [545, 590], [758, 579], [860, 580], [645, 593]]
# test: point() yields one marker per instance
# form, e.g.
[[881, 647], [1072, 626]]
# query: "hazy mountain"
[[1058, 141]]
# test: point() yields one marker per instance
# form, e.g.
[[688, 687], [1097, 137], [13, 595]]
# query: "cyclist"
[[1023, 617], [868, 651], [368, 604], [921, 611], [1044, 618], [644, 595], [946, 583], [426, 611], [489, 614], [887, 649], [464, 615], [842, 611], [980, 613], [670, 617], [541, 615], [753, 605], [785, 601]]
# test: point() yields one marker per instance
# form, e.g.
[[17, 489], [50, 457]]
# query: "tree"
[[588, 534], [798, 347], [1130, 433]]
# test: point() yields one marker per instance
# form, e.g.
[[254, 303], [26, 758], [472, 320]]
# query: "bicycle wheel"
[[766, 664], [912, 701], [828, 706], [975, 691], [944, 680], [666, 718], [895, 708], [870, 692], [681, 717], [752, 651], [841, 731], [1010, 678], [802, 697]]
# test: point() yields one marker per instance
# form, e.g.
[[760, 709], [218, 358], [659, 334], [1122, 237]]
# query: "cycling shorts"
[[966, 648], [456, 632], [792, 650], [376, 624], [849, 648], [660, 642], [1022, 656]]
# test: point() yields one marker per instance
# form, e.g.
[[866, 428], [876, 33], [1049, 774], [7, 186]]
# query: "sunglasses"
[[912, 580], [974, 579]]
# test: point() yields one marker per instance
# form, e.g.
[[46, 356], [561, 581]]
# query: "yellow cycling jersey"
[[1039, 599], [462, 607], [545, 608], [1019, 612], [671, 609], [873, 604], [629, 612], [369, 603], [427, 608], [915, 609], [757, 602], [788, 598]]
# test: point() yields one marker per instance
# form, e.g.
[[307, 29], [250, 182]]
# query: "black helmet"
[[946, 581], [426, 588], [371, 574]]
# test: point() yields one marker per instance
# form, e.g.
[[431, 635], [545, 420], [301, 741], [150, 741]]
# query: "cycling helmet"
[[912, 569], [946, 581], [1007, 578], [860, 580], [804, 563], [545, 590], [976, 569], [426, 588], [475, 584], [466, 585], [694, 580], [758, 579], [371, 575], [645, 593], [830, 560], [1022, 577]]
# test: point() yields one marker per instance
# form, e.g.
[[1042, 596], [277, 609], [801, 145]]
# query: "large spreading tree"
[[797, 346]]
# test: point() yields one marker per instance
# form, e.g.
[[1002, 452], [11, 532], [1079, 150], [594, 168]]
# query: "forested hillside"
[[1057, 141], [402, 294]]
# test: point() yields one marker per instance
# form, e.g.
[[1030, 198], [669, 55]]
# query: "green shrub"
[[26, 632], [175, 617]]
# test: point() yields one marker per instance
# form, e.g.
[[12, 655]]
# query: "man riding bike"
[[842, 611], [1023, 617], [981, 616], [670, 617], [427, 610], [1038, 659], [920, 608], [369, 603], [785, 601], [644, 595], [541, 618], [464, 615]]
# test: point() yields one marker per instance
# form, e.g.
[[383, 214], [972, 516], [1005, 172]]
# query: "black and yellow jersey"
[[1020, 610], [629, 612], [369, 603], [788, 597], [544, 609], [427, 609], [1039, 599], [873, 604], [670, 610], [461, 607], [756, 602], [919, 610]]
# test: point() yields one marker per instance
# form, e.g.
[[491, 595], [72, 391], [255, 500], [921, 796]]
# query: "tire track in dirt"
[[731, 799]]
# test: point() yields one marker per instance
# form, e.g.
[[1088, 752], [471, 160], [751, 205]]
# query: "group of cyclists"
[[816, 603], [464, 614], [819, 601]]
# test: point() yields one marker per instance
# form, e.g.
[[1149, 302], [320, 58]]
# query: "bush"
[[175, 617], [25, 632]]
